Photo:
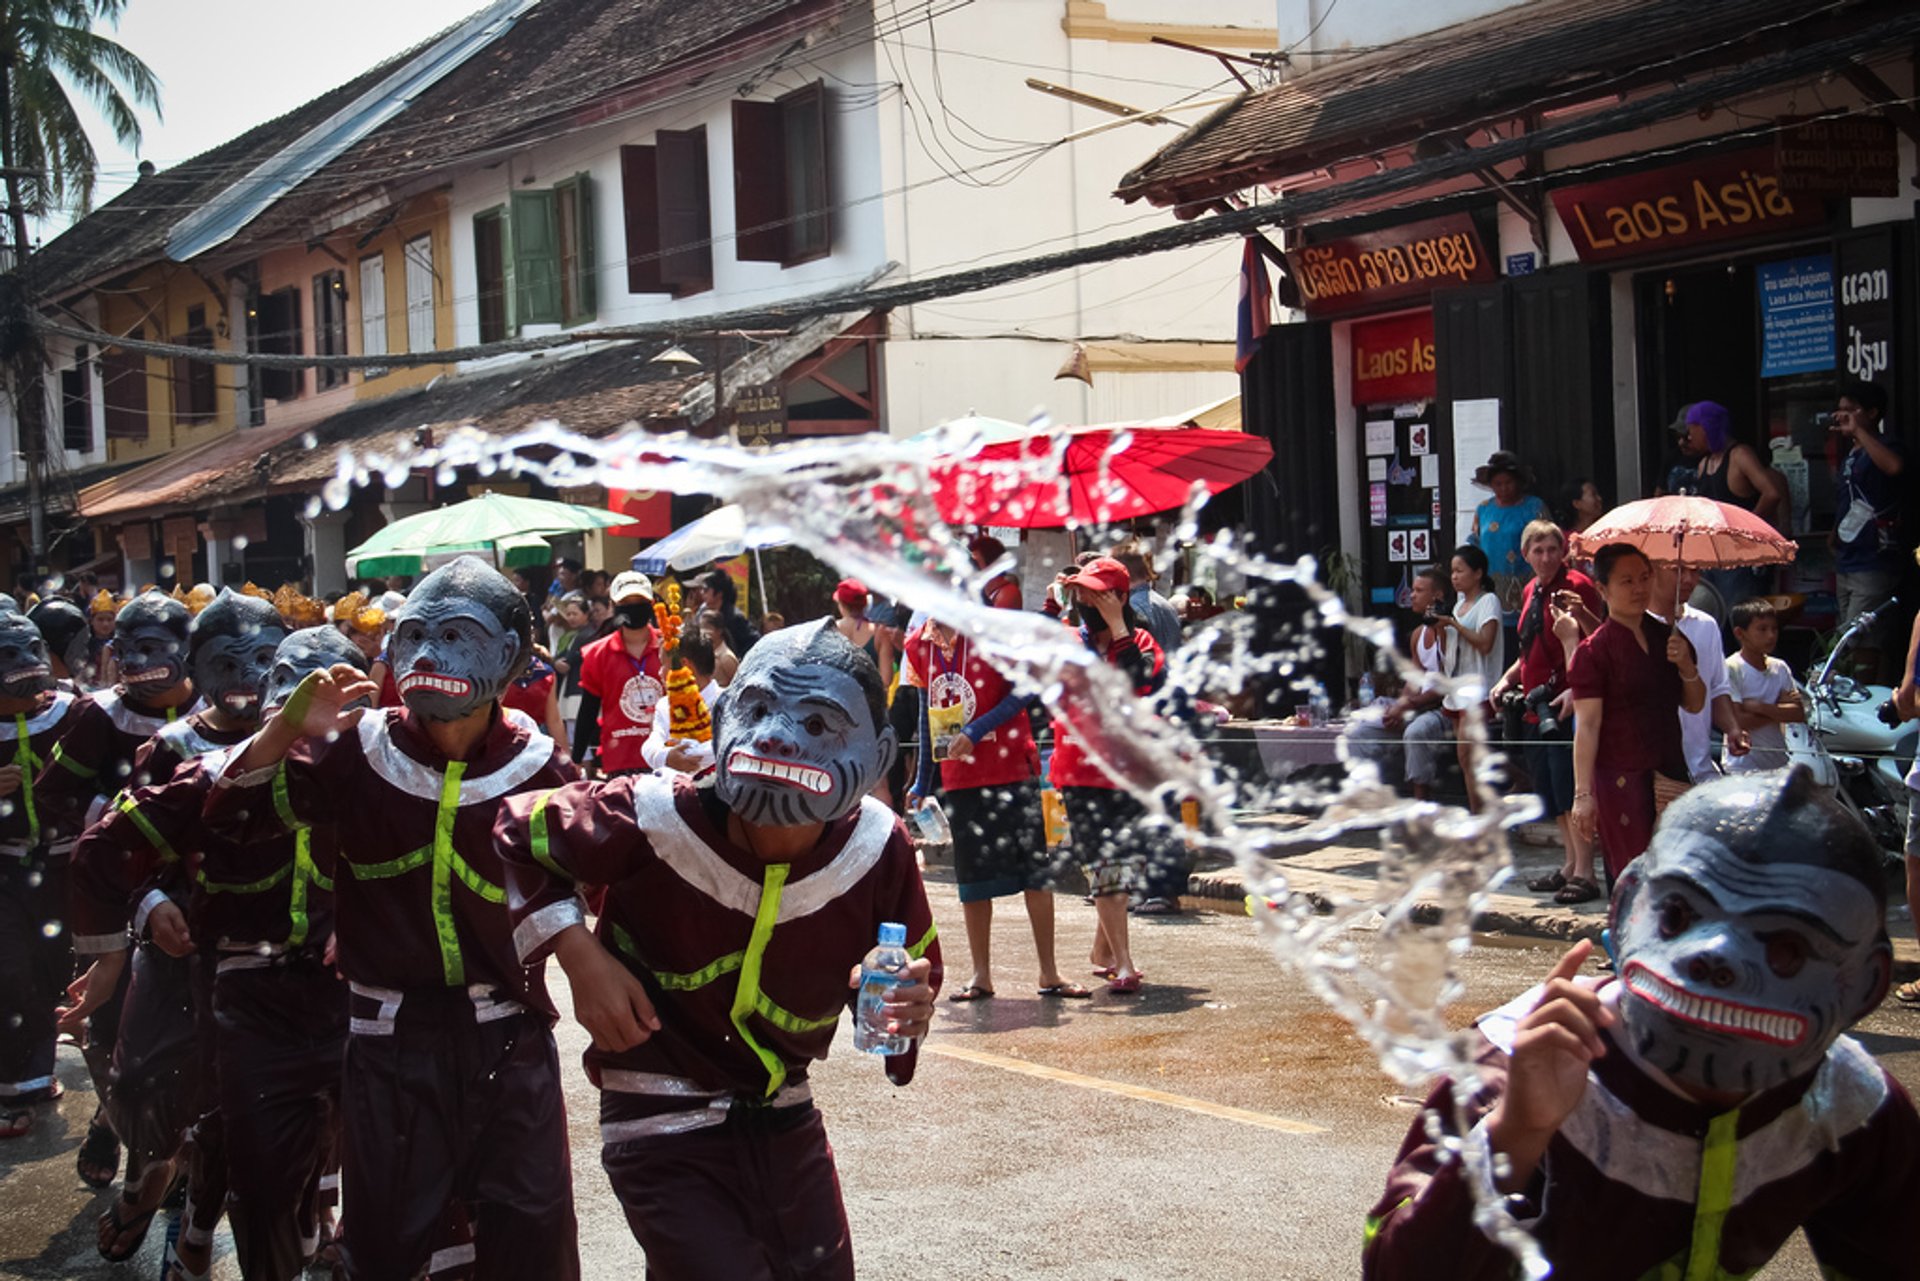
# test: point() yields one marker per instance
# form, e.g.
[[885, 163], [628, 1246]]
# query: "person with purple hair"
[[1731, 471]]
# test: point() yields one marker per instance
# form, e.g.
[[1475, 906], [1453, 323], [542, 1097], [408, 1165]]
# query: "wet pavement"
[[1219, 1125]]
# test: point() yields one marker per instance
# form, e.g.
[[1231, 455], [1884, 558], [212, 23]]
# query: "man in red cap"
[[851, 599], [621, 678]]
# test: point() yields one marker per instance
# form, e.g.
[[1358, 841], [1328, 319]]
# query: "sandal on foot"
[[131, 1231], [15, 1122], [1157, 907], [178, 1271], [1071, 991], [1108, 971], [1552, 883], [1908, 993], [98, 1160], [972, 992], [1125, 986], [1578, 889]]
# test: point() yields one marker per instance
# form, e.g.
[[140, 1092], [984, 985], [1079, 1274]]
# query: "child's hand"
[[607, 999], [1738, 742], [1547, 1072]]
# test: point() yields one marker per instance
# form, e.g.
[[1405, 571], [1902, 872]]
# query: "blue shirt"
[[1498, 531], [1873, 549]]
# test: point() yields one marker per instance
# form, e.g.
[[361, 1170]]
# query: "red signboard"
[[1393, 359], [1392, 265], [652, 512], [1724, 197]]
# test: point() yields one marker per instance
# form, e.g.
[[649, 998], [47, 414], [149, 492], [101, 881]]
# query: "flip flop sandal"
[[1551, 884], [1908, 993], [972, 992], [1157, 907], [1070, 991], [177, 1271], [15, 1123], [137, 1225], [1125, 987], [1578, 889], [100, 1152]]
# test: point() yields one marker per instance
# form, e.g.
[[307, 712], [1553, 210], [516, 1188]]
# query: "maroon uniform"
[[34, 965], [451, 1088], [747, 965]]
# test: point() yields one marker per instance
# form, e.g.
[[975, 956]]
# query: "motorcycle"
[[1853, 742]]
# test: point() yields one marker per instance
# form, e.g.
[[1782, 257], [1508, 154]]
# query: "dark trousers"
[[34, 965], [207, 1136], [755, 1198], [444, 1109], [154, 1090], [281, 1034]]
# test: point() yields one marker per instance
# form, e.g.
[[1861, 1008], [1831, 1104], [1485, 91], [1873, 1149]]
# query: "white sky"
[[227, 65]]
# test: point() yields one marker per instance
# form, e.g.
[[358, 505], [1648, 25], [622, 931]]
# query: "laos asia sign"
[[1393, 359], [1391, 265], [1723, 197]]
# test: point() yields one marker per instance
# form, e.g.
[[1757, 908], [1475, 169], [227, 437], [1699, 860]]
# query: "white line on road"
[[1200, 1106]]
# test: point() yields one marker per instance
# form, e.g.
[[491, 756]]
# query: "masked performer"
[[452, 1086], [1685, 1119], [93, 761], [35, 960], [142, 857], [737, 911], [63, 625]]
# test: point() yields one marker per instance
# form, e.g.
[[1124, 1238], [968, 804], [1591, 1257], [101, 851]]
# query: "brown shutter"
[[806, 177], [640, 207], [686, 258], [759, 183], [123, 378]]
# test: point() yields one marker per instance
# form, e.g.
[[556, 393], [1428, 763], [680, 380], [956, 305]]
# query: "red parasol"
[[1111, 474], [1686, 530]]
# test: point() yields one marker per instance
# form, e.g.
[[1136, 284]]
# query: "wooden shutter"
[[807, 189], [759, 183], [123, 390], [490, 273], [640, 210], [686, 257], [1560, 326], [418, 255], [536, 258], [585, 291], [373, 306]]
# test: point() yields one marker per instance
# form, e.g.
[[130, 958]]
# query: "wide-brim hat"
[[1502, 460]]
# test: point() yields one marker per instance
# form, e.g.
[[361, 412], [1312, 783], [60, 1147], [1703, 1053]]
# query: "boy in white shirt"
[[665, 754], [1764, 694]]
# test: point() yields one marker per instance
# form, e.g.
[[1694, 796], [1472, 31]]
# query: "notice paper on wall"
[[1380, 437], [1430, 470], [1476, 434], [1377, 503], [1376, 469]]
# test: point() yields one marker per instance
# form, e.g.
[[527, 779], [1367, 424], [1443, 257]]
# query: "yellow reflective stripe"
[[746, 995], [451, 964], [392, 867], [304, 874], [790, 1022], [687, 982], [282, 803], [126, 805], [474, 881], [61, 758], [23, 757], [537, 842], [1715, 1197], [623, 940], [919, 949], [260, 886]]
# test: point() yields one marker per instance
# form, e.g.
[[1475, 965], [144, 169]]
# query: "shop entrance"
[[1699, 341]]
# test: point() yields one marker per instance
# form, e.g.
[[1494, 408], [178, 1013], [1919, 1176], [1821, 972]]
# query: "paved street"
[[1220, 1126]]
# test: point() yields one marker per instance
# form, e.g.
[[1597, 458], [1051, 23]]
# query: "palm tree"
[[44, 46]]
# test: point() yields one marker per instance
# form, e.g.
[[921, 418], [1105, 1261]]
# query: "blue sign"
[[1381, 595], [1521, 264], [1796, 316]]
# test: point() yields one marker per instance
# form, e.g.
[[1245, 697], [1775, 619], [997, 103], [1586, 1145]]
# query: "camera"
[[1515, 705], [1431, 618]]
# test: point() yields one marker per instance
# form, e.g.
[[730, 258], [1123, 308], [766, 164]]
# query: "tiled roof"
[[594, 394], [1528, 57]]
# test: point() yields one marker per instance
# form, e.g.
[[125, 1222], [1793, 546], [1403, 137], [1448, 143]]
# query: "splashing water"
[[864, 506]]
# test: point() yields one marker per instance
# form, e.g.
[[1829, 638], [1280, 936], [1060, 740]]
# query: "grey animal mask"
[[24, 671], [1751, 934], [150, 643], [63, 625], [800, 736], [309, 650], [230, 647], [460, 639]]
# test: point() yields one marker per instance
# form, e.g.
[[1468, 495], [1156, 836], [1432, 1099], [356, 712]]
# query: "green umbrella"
[[500, 528]]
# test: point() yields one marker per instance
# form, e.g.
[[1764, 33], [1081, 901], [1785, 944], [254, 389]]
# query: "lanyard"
[[23, 757]]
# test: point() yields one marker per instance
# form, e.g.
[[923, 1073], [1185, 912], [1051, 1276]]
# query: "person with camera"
[[1867, 558], [1537, 702], [1479, 646], [1412, 733]]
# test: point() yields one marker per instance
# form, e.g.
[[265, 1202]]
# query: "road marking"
[[1220, 1111]]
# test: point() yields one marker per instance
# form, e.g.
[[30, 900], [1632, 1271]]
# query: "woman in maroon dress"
[[1627, 678]]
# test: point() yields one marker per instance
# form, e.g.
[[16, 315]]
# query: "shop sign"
[[1393, 359], [760, 414], [1840, 156], [1723, 197], [1397, 263], [1796, 315], [1866, 317]]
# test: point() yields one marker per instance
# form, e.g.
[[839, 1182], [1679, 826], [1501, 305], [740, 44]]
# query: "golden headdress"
[[104, 602], [297, 609], [359, 614], [251, 588]]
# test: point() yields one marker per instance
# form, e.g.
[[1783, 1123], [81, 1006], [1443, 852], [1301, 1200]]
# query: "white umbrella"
[[721, 534]]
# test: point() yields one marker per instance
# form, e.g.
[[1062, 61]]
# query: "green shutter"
[[536, 258], [585, 290]]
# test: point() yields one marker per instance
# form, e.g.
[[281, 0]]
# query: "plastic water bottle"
[[1321, 705], [930, 822], [884, 969], [1366, 688]]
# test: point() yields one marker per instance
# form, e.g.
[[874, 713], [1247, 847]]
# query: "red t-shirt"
[[967, 681], [1544, 659], [1071, 766], [627, 688], [529, 693], [1640, 693]]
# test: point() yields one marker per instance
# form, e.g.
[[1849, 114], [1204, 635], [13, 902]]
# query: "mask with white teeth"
[[1751, 934], [460, 639], [309, 650], [24, 669], [150, 644], [230, 648], [800, 736]]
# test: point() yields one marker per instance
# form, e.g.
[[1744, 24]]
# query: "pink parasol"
[[1685, 530]]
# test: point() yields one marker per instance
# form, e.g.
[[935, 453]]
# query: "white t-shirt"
[[1745, 681], [1468, 661], [1696, 728], [654, 750]]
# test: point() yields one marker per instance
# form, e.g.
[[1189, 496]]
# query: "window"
[[668, 222], [490, 273], [330, 325], [781, 199], [373, 309], [419, 259], [193, 380], [123, 391], [553, 254], [275, 325], [573, 216], [76, 404]]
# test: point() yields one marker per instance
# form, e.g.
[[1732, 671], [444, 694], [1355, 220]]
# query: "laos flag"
[[1256, 304]]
